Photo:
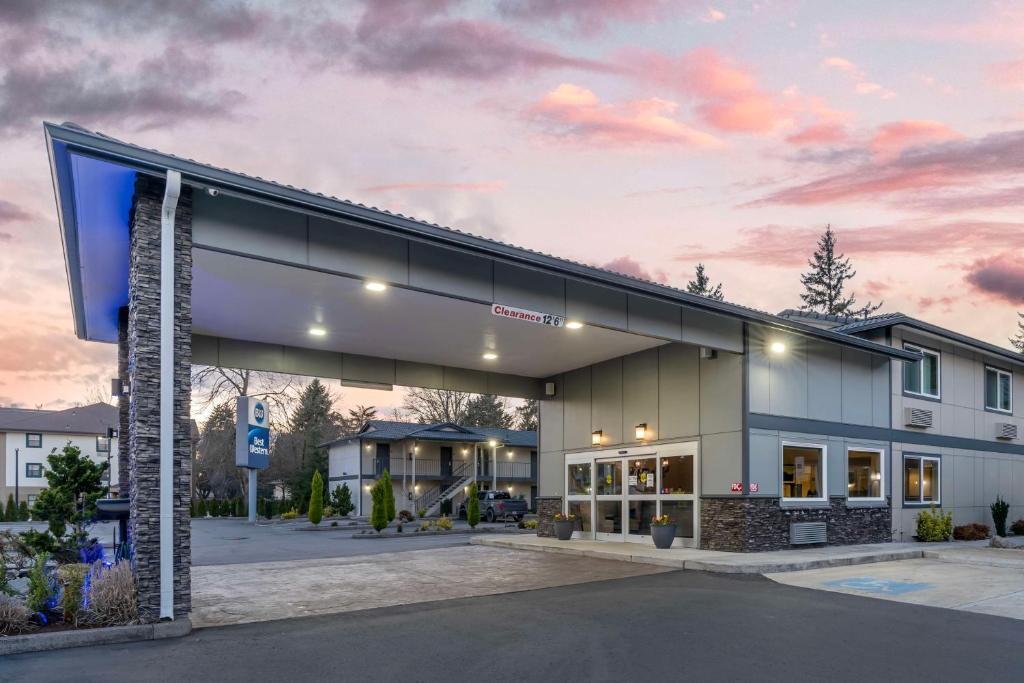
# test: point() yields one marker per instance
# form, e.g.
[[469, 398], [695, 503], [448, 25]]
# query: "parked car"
[[497, 505]]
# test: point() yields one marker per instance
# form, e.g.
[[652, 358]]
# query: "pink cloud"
[[877, 289], [1001, 277], [9, 213], [587, 18], [626, 265], [819, 134], [926, 303], [1007, 74], [920, 168], [485, 186], [862, 85], [575, 113], [893, 138], [727, 95]]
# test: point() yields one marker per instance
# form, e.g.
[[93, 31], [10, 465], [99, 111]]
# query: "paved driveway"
[[240, 593]]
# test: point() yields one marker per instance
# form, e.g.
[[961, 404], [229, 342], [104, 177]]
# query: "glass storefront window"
[[642, 477], [640, 513], [609, 517], [581, 508], [578, 479], [609, 478], [680, 513], [677, 474], [864, 474], [802, 472]]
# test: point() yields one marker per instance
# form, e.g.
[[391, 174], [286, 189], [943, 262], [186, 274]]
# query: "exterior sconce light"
[[777, 347], [641, 431], [492, 443], [595, 437]]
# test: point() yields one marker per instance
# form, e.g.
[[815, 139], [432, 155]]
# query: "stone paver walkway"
[[264, 591]]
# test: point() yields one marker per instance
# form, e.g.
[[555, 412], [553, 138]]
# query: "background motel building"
[[433, 463], [753, 430], [28, 436]]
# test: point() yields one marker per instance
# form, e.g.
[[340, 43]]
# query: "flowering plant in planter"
[[660, 521], [559, 517], [565, 524], [663, 531]]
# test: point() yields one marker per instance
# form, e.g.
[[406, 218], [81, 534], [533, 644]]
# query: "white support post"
[[494, 466], [168, 212], [252, 495]]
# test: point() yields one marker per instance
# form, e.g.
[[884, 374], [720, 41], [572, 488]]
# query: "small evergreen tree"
[[23, 511], [389, 496], [378, 515], [824, 284], [316, 499], [239, 507], [1017, 340], [342, 500], [203, 510], [473, 507], [701, 285], [11, 514]]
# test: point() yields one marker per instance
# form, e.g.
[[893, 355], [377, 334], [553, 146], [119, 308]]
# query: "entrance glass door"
[[641, 496], [608, 499]]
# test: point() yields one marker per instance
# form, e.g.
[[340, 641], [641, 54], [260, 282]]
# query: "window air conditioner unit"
[[1005, 430], [917, 417]]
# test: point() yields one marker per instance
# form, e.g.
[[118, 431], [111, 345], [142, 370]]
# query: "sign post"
[[252, 442]]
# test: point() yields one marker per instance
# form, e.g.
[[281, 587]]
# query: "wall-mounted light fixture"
[[641, 431], [317, 332], [595, 437], [777, 347], [492, 443], [490, 355], [375, 286], [574, 324]]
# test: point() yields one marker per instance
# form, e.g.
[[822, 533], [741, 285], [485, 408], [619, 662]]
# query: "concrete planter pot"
[[564, 529], [663, 535]]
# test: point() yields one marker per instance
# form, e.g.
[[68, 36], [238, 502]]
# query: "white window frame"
[[881, 466], [823, 498], [925, 351], [920, 502], [42, 470], [996, 408]]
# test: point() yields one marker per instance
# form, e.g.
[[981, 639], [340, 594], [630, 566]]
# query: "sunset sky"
[[640, 135]]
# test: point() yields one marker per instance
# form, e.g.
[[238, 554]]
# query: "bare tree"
[[96, 393], [213, 386], [436, 405]]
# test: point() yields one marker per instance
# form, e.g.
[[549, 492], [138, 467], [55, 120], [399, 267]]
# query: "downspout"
[[172, 191]]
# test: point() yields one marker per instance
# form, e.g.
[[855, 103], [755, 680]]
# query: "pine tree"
[[203, 510], [23, 512], [316, 499], [389, 496], [343, 500], [11, 514], [527, 415], [1018, 339], [701, 285], [472, 507], [486, 410], [378, 515], [826, 280], [312, 423]]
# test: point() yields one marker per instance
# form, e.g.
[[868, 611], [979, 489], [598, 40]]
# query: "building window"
[[33, 441], [33, 470], [864, 472], [102, 444], [998, 390], [921, 480], [677, 474], [578, 479], [921, 377], [803, 472], [32, 499]]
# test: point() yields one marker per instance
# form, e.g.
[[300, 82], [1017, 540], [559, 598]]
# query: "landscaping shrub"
[[389, 496], [1018, 527], [316, 498], [72, 581], [342, 500], [41, 587], [23, 512], [290, 514], [424, 526], [934, 525], [472, 507], [1000, 509], [15, 616], [378, 514], [202, 510], [404, 516], [422, 512], [446, 506], [970, 532], [328, 511], [11, 513], [112, 595], [445, 523], [240, 507], [268, 509]]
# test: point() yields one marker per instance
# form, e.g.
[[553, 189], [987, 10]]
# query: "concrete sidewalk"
[[723, 562]]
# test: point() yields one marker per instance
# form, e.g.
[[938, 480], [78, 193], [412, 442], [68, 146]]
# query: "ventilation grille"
[[1006, 430], [803, 533], [917, 417]]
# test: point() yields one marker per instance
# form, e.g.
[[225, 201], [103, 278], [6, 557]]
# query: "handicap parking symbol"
[[868, 584]]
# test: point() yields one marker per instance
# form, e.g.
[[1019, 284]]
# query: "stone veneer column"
[[547, 508], [144, 402], [123, 485]]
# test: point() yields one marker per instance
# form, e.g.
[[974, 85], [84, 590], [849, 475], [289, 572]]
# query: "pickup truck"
[[497, 505]]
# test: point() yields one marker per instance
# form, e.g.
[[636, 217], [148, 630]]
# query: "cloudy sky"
[[643, 135]]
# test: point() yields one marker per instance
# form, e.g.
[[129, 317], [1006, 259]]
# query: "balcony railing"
[[435, 468]]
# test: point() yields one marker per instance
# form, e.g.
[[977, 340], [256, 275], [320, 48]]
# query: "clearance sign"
[[503, 311]]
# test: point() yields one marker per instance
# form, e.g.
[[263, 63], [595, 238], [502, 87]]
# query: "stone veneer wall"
[[123, 484], [755, 524], [143, 434], [547, 508]]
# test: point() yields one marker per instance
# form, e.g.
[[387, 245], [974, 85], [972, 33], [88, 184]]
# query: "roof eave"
[[62, 192]]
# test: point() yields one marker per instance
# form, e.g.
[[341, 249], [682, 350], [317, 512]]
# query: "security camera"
[[212, 191]]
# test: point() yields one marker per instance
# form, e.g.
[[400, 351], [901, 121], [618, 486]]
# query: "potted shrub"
[[663, 531], [564, 526]]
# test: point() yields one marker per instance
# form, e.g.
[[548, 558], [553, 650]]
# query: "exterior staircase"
[[462, 474]]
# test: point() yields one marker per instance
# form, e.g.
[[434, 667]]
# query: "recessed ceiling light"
[[376, 286], [778, 347], [317, 332], [490, 355], [574, 324]]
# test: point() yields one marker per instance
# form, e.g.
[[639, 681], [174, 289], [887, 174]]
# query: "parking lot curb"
[[59, 640]]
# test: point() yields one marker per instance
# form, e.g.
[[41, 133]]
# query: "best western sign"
[[252, 435], [503, 311]]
